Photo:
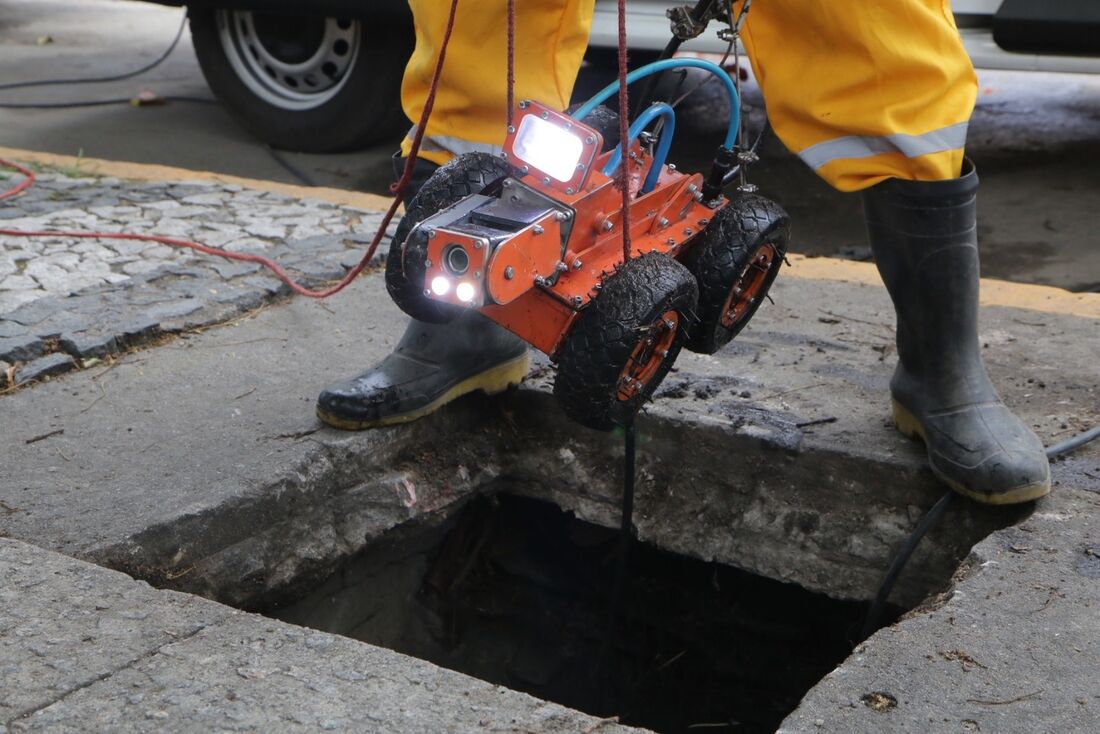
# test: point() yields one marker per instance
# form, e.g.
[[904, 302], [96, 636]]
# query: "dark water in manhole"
[[517, 592]]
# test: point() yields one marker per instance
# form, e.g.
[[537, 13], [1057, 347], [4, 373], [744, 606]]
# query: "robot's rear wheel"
[[737, 261]]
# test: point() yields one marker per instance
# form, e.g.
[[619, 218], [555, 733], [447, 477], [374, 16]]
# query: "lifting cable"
[[930, 519]]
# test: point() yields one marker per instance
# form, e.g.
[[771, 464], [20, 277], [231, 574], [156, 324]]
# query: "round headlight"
[[440, 285], [465, 292]]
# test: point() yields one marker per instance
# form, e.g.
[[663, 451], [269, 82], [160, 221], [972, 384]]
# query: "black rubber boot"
[[923, 235], [422, 171], [432, 365]]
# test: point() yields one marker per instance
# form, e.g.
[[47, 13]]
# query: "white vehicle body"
[[648, 28]]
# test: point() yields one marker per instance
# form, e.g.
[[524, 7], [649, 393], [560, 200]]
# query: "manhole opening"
[[517, 592]]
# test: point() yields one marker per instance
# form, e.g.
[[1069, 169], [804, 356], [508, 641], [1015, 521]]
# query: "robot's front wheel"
[[625, 341], [737, 261], [451, 183]]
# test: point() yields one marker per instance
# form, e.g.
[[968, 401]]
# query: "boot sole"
[[492, 381], [909, 426]]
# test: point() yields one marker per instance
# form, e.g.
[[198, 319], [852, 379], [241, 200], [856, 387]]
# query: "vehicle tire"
[[603, 120], [625, 341], [451, 183], [305, 83], [736, 262]]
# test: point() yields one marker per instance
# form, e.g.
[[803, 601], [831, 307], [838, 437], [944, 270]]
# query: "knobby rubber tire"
[[605, 335], [365, 112], [603, 120], [452, 182], [729, 242]]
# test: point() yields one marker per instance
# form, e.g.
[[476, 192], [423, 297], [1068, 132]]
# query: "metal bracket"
[[684, 26]]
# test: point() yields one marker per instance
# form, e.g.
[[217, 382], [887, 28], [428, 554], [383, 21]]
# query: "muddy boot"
[[432, 365], [925, 245]]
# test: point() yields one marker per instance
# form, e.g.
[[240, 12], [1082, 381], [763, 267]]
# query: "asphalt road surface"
[[1035, 138]]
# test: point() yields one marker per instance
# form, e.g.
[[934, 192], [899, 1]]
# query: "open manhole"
[[519, 593]]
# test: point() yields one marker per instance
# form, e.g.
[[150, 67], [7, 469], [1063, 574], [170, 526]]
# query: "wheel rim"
[[290, 62], [648, 356], [749, 287]]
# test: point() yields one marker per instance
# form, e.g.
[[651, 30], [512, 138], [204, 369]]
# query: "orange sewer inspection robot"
[[533, 240]]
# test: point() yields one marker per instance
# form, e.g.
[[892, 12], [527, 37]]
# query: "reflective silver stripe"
[[951, 137], [458, 146]]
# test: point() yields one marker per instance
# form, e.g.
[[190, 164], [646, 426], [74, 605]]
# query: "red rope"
[[23, 185], [398, 189], [511, 61], [624, 132]]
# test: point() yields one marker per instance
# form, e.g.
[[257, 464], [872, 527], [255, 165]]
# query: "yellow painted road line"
[[153, 172], [993, 292]]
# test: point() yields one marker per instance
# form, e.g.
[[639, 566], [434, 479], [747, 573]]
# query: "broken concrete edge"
[[1044, 298], [767, 500], [84, 644], [153, 172], [1013, 648]]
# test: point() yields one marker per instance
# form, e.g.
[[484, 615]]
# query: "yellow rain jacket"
[[861, 91]]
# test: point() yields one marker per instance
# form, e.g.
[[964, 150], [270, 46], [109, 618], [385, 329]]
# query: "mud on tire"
[[450, 183], [746, 230], [605, 338]]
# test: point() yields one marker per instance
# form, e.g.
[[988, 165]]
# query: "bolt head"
[[509, 272], [537, 229], [663, 222], [524, 104], [570, 190], [590, 140], [561, 267], [431, 234], [562, 216], [511, 129], [545, 115], [427, 293], [688, 232], [608, 226], [577, 264], [427, 263]]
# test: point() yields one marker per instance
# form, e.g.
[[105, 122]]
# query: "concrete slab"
[[198, 465], [83, 649], [1014, 649]]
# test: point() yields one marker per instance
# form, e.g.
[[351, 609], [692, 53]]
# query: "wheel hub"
[[749, 287], [291, 62], [648, 356]]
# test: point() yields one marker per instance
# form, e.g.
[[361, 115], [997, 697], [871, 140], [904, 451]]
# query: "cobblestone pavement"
[[65, 301]]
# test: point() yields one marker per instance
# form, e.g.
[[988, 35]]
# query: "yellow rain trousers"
[[861, 92]]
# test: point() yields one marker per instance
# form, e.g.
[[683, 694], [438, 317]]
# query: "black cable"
[[1073, 443], [114, 78], [100, 103], [626, 539], [289, 167], [933, 516], [870, 622]]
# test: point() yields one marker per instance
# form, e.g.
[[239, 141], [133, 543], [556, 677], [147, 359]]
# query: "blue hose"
[[663, 111], [659, 66]]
